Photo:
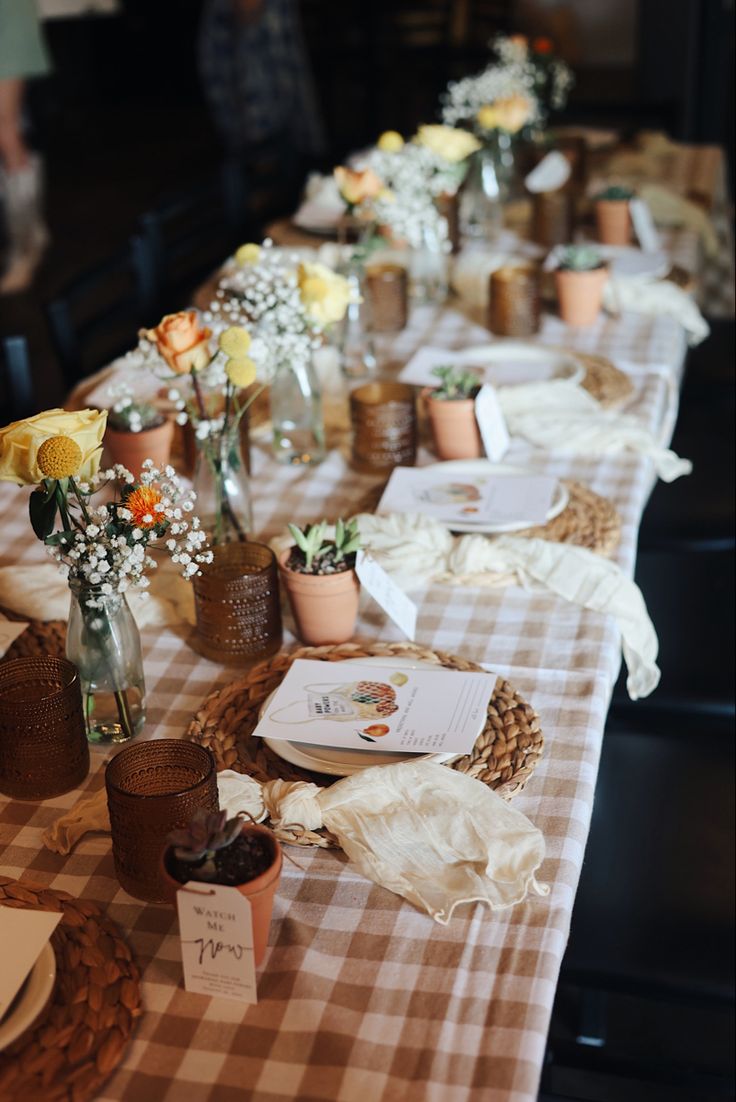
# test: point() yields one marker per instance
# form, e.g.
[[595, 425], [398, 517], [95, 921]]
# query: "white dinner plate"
[[31, 999], [340, 762], [511, 363]]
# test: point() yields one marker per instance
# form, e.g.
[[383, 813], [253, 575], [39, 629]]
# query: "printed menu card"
[[363, 706]]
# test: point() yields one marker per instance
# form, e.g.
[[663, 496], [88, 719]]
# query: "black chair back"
[[17, 383]]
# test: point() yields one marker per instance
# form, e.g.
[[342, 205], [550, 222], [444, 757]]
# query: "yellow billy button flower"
[[390, 141], [234, 341], [248, 254], [59, 457], [241, 371]]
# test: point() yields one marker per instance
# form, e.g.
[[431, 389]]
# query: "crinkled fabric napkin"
[[644, 295], [414, 549], [432, 835]]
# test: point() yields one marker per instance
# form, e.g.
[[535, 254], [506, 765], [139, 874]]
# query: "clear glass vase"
[[487, 188], [428, 269], [222, 487], [296, 414], [104, 644], [356, 345]]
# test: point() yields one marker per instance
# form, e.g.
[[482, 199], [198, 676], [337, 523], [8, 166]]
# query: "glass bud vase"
[[296, 414], [428, 269], [104, 644], [487, 188], [357, 351], [222, 487]]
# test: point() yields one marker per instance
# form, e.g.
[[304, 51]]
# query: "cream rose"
[[182, 341], [355, 187], [447, 142], [326, 296], [390, 142], [506, 114], [19, 443]]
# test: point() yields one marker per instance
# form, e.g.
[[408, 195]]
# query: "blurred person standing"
[[23, 236]]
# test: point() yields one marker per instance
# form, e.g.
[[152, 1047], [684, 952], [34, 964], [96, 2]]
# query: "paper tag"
[[646, 231], [385, 592], [23, 934], [552, 172], [216, 931], [491, 423]]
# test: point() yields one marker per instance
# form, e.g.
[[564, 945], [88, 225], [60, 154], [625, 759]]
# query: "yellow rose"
[[19, 443], [505, 114], [241, 371], [325, 295], [248, 254], [390, 142], [182, 341], [447, 142], [234, 341], [355, 187]]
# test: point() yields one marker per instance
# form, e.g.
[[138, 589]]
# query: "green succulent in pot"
[[455, 383], [614, 193], [580, 258]]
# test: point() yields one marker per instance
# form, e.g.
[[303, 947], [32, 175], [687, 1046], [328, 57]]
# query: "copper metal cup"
[[43, 741], [384, 423], [553, 217], [387, 292], [154, 788], [236, 600], [514, 301]]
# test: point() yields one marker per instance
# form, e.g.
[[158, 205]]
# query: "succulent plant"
[[199, 841], [310, 541], [616, 192], [580, 258], [347, 539], [455, 382], [322, 555]]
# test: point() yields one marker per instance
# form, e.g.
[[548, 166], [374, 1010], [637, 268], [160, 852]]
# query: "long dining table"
[[362, 996]]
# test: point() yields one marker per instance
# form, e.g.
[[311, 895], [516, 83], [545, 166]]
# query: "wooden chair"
[[17, 382]]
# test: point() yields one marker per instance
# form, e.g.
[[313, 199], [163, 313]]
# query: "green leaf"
[[59, 537], [42, 511]]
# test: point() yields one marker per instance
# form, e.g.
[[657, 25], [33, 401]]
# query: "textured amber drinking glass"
[[553, 217], [43, 741], [387, 292], [384, 426], [153, 788], [513, 306], [236, 600]]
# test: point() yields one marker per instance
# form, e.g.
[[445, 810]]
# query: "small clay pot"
[[132, 448], [614, 221], [260, 891], [454, 427], [325, 606], [580, 294]]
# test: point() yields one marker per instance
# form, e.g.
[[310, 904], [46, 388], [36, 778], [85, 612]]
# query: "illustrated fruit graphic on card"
[[374, 731], [398, 679]]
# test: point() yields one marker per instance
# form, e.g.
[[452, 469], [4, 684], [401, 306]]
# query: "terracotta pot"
[[454, 427], [260, 891], [614, 221], [580, 294], [132, 448], [325, 606]]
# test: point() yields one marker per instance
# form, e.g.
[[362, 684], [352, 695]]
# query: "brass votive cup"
[[553, 217], [387, 292], [384, 424], [153, 788], [237, 607], [43, 740], [514, 301]]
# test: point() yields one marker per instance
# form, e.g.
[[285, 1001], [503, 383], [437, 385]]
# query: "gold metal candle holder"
[[514, 301]]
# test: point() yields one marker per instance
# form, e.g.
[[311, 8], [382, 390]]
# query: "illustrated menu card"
[[23, 934], [469, 497], [509, 365], [363, 706]]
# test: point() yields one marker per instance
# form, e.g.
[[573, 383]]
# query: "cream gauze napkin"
[[561, 416], [435, 836], [414, 549], [643, 295]]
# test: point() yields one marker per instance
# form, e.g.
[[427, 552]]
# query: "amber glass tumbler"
[[387, 292], [384, 424], [514, 301], [153, 788], [236, 599], [43, 742], [553, 217]]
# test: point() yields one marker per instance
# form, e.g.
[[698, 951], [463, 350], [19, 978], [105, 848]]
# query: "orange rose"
[[182, 341], [355, 187], [543, 46]]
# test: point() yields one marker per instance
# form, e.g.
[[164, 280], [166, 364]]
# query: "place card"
[[23, 934], [216, 932], [385, 592], [552, 173], [394, 708], [644, 227], [491, 423], [470, 494], [511, 363]]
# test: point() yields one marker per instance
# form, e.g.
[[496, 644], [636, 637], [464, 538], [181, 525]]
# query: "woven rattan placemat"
[[608, 385], [81, 1036], [40, 637], [504, 755]]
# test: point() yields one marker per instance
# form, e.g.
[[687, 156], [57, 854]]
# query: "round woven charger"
[[40, 637], [608, 385], [503, 757], [69, 1052]]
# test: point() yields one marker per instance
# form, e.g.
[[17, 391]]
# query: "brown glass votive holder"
[[237, 606], [154, 788], [384, 423], [387, 292], [514, 301], [43, 740], [553, 217]]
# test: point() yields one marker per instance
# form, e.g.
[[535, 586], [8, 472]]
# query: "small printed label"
[[491, 423], [216, 931], [385, 592], [644, 228], [552, 172]]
